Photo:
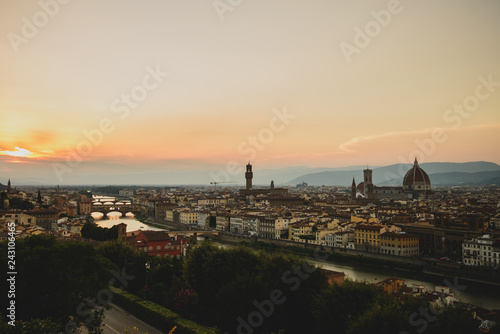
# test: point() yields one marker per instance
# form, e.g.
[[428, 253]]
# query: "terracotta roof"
[[369, 227], [156, 235]]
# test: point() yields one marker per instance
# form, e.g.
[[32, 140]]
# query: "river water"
[[115, 218], [478, 294]]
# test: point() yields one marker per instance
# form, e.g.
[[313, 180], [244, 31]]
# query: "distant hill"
[[3, 187], [458, 178], [382, 175], [440, 173]]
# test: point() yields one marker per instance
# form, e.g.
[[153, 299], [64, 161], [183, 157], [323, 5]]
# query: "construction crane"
[[216, 183]]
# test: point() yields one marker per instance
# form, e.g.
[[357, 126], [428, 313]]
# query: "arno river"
[[475, 293]]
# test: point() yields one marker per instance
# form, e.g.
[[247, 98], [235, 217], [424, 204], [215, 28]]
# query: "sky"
[[120, 86]]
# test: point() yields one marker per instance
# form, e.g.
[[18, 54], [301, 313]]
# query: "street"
[[117, 320]]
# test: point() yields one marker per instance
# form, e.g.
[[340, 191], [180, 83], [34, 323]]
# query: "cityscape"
[[263, 167], [428, 235]]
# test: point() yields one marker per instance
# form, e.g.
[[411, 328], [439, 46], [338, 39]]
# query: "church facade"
[[416, 184]]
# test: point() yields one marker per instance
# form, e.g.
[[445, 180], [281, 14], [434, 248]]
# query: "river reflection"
[[115, 218], [478, 294]]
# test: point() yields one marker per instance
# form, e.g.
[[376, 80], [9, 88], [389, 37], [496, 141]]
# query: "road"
[[117, 321]]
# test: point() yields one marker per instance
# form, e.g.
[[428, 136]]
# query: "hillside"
[[440, 173]]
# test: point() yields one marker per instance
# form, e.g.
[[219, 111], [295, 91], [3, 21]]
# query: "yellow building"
[[399, 243], [298, 230], [189, 217], [367, 237]]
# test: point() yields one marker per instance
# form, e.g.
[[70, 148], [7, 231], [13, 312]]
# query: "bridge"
[[107, 201], [117, 206], [199, 233]]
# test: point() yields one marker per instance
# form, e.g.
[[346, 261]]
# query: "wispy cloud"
[[350, 145], [20, 152]]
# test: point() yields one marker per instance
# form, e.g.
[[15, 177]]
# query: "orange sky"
[[169, 84]]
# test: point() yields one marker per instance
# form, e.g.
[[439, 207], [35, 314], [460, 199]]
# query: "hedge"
[[157, 315]]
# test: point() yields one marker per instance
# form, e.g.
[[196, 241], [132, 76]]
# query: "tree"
[[128, 260], [56, 280], [92, 231], [20, 204], [230, 282], [338, 304]]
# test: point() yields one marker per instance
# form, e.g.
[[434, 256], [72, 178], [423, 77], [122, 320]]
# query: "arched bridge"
[[118, 206]]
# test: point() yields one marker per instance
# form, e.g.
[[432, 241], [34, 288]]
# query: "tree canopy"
[[56, 280]]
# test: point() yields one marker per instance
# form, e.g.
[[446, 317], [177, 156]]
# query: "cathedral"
[[416, 184]]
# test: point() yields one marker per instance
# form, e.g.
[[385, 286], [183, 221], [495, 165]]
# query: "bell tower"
[[353, 189], [368, 191], [249, 176]]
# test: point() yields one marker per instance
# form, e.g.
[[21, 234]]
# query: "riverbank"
[[415, 266], [157, 223]]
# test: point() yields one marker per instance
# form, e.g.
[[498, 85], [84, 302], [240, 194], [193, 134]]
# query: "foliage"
[[128, 260], [185, 301], [20, 204], [157, 315], [111, 190], [32, 326], [86, 193], [230, 282], [92, 231], [340, 304], [56, 278]]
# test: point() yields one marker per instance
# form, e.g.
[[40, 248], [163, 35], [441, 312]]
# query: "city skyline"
[[91, 88]]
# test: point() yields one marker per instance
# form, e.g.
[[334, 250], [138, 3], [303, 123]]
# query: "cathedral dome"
[[416, 179]]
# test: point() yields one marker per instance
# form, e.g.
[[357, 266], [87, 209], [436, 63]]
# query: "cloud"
[[351, 145], [24, 153], [19, 152]]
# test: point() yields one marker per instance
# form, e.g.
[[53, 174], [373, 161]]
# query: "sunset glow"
[[19, 152], [170, 86]]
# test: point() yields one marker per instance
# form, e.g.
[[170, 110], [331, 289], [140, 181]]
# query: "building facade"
[[399, 244]]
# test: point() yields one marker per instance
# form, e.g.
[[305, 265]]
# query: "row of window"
[[485, 263], [399, 246], [168, 247], [399, 252]]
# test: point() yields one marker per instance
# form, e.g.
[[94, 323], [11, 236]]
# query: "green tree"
[[230, 282], [56, 280], [92, 231], [128, 260], [339, 304], [20, 204]]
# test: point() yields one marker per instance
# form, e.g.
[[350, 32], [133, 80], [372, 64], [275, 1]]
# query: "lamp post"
[[148, 266]]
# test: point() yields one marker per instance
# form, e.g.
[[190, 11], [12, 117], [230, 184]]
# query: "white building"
[[342, 239], [236, 225], [203, 216], [483, 251]]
